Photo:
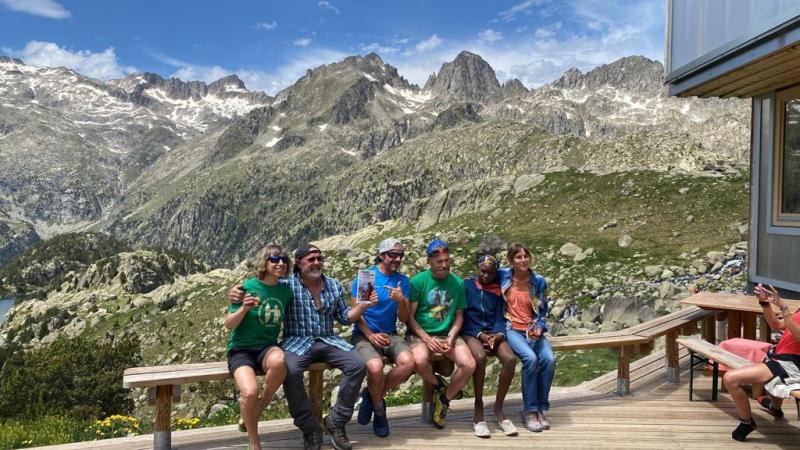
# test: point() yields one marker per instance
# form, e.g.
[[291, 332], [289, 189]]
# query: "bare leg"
[[478, 377], [248, 387], [734, 379], [275, 370], [422, 362], [507, 362], [403, 368], [465, 367], [375, 381]]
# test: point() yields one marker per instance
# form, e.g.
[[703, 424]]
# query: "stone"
[[527, 181], [653, 271], [140, 302], [569, 250], [625, 241], [699, 265], [580, 257], [689, 219], [666, 290], [666, 274], [683, 190], [715, 257]]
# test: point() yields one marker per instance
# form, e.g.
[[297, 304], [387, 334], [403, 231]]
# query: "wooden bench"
[[703, 352], [710, 353], [165, 379]]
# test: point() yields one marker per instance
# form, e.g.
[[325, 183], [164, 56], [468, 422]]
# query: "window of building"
[[786, 205]]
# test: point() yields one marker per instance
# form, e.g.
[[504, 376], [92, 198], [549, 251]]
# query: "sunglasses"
[[275, 259], [395, 255], [314, 259]]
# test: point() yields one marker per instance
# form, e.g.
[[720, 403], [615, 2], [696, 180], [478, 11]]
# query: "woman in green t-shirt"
[[255, 325]]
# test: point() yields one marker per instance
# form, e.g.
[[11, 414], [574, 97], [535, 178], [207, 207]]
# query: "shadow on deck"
[[656, 415]]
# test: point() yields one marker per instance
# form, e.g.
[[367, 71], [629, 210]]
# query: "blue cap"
[[434, 245]]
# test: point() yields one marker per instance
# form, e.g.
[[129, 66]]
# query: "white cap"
[[388, 245]]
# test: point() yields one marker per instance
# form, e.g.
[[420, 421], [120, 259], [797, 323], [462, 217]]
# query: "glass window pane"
[[790, 200]]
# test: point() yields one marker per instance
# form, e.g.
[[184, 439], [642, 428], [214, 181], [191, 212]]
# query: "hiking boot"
[[312, 440], [766, 403], [380, 424], [366, 409], [338, 435], [439, 411]]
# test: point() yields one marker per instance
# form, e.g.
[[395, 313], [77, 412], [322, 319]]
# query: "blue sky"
[[270, 44]]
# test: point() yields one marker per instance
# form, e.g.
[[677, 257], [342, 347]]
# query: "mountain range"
[[218, 170]]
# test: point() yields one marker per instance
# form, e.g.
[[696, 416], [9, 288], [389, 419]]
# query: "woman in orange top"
[[526, 309]]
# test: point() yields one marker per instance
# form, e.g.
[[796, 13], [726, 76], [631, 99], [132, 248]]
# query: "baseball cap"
[[435, 245], [305, 250], [389, 244], [487, 259]]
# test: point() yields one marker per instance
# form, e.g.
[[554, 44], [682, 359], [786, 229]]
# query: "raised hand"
[[395, 293], [762, 294]]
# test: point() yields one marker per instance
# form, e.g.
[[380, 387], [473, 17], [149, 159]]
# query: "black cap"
[[305, 250]]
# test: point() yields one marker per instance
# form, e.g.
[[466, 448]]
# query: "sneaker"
[[439, 411], [366, 408], [380, 424], [766, 403], [242, 426], [338, 435], [481, 430], [744, 428], [544, 421], [312, 440], [508, 427]]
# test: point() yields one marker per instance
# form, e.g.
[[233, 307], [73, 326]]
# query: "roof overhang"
[[768, 62]]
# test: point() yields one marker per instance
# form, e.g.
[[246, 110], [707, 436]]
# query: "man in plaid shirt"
[[309, 337]]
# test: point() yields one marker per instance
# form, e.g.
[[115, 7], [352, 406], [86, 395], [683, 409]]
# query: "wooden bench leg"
[[710, 329], [764, 331], [749, 325], [162, 435], [673, 358], [624, 370], [734, 324], [315, 392]]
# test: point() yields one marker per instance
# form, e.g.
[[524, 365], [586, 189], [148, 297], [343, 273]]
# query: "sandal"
[[544, 421], [508, 427], [481, 429], [766, 403], [532, 422]]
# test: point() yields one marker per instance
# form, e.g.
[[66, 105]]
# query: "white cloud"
[[302, 42], [429, 44], [102, 65], [269, 81], [548, 31], [43, 8], [266, 25], [489, 35], [631, 27], [524, 7], [327, 5], [378, 48]]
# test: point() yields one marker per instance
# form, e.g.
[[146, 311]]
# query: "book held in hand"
[[366, 285]]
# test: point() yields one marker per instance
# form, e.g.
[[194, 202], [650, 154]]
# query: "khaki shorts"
[[413, 340], [368, 351]]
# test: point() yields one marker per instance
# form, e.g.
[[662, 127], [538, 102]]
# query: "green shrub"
[[47, 430], [77, 377]]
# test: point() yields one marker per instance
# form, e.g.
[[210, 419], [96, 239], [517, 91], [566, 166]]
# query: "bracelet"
[[480, 333]]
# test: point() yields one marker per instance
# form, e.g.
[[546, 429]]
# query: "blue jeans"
[[538, 367]]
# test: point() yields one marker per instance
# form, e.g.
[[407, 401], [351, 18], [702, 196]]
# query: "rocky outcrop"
[[468, 76], [632, 73]]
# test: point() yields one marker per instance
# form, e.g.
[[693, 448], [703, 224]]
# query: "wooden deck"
[[656, 415]]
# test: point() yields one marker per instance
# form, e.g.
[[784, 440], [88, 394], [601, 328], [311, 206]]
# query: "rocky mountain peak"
[[8, 59], [514, 88], [468, 76], [632, 73]]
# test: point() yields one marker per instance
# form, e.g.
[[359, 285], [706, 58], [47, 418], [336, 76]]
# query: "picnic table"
[[741, 311]]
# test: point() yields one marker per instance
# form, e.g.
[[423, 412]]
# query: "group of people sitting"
[[499, 311]]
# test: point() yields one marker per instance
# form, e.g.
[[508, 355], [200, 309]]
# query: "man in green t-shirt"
[[436, 315]]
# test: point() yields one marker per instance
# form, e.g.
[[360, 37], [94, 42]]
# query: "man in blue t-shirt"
[[375, 335]]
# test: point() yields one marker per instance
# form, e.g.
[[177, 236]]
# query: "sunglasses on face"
[[395, 255], [314, 259], [275, 259]]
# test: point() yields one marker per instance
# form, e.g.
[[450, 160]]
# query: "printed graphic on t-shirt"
[[440, 302], [269, 313]]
